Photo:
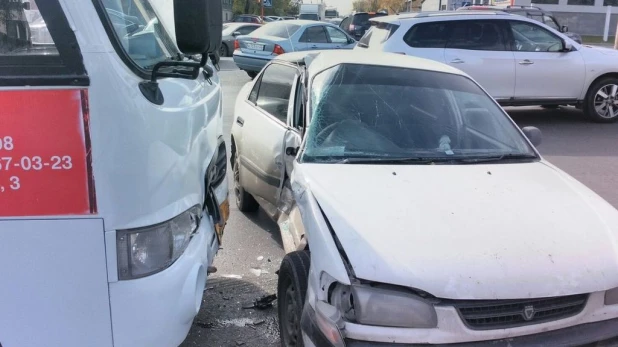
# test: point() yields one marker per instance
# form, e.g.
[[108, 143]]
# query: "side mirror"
[[192, 26], [564, 29], [293, 151], [236, 33], [567, 46], [534, 135]]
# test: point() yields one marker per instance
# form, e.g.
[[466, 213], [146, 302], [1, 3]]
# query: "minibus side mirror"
[[192, 27]]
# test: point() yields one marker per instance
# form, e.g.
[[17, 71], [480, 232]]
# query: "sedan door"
[[264, 127], [479, 48], [338, 39], [314, 37], [544, 71]]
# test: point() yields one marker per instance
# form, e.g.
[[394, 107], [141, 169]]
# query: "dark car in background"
[[248, 18], [229, 33], [356, 24], [531, 12]]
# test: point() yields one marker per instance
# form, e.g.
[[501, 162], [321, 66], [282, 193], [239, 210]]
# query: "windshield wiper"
[[497, 158], [386, 160]]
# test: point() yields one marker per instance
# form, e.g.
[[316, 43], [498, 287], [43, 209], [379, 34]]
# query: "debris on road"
[[260, 258], [238, 277], [263, 302], [256, 271]]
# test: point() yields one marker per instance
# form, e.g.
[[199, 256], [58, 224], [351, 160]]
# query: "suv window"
[[34, 51], [245, 30], [529, 37], [480, 35], [281, 29], [427, 35], [314, 34], [142, 37], [275, 89]]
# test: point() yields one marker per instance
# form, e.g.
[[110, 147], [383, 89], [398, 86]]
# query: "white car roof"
[[328, 59], [454, 14]]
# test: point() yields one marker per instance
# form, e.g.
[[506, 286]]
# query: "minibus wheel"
[[291, 293]]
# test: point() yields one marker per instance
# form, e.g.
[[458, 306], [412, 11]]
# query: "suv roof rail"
[[454, 13], [524, 7]]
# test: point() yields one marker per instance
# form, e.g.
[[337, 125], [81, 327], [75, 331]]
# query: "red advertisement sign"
[[45, 154]]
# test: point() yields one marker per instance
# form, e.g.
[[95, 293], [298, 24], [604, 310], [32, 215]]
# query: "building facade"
[[585, 17], [227, 10]]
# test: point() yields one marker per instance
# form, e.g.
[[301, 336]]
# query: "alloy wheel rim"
[[290, 320], [606, 101]]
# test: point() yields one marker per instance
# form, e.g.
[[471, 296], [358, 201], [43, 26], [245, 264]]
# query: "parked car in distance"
[[531, 12], [518, 60], [289, 18], [229, 34], [252, 52], [272, 18], [357, 24], [335, 21], [248, 18], [482, 242]]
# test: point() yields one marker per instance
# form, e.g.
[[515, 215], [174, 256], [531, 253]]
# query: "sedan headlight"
[[611, 297], [386, 306], [146, 251]]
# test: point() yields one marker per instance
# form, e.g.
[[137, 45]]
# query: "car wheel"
[[245, 201], [251, 74], [602, 101], [223, 51], [291, 292]]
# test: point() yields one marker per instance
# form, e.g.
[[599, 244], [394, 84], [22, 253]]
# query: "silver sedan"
[[253, 52]]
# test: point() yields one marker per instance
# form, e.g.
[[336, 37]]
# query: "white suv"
[[519, 61]]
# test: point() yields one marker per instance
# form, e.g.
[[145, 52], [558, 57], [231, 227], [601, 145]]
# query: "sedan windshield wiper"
[[387, 160], [497, 158]]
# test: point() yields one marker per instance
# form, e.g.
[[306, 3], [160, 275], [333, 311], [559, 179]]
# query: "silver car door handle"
[[526, 62], [457, 61]]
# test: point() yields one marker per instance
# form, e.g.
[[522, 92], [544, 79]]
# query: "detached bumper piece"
[[599, 334]]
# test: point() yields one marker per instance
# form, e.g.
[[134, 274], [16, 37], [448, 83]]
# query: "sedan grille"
[[504, 314]]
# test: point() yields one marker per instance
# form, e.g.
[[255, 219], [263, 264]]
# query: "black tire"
[[224, 51], [246, 202], [291, 293], [594, 98], [251, 74]]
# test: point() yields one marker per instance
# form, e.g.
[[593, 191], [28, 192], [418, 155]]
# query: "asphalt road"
[[252, 247]]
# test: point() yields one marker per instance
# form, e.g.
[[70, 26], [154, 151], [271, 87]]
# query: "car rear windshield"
[[385, 112], [277, 29], [363, 18], [37, 43], [378, 34], [308, 16]]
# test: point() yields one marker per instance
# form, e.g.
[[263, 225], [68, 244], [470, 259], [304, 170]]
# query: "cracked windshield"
[[308, 173]]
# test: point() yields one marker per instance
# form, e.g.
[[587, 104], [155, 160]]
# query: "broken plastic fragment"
[[445, 145]]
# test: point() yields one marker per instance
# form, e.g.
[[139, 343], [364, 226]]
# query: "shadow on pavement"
[[262, 221], [223, 321]]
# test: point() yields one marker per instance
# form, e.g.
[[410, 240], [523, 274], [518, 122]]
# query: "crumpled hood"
[[498, 231]]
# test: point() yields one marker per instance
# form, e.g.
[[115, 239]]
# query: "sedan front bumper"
[[603, 333]]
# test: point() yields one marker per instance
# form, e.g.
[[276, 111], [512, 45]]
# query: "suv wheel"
[[601, 103], [251, 74], [245, 201]]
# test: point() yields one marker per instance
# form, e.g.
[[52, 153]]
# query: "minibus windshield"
[[139, 31]]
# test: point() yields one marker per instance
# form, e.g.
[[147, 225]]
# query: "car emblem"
[[529, 312]]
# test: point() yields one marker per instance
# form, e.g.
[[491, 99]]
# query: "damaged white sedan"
[[414, 211]]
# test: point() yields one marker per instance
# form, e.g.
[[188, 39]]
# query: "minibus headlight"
[[146, 251]]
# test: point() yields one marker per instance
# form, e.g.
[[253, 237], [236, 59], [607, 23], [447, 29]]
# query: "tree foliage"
[[392, 6]]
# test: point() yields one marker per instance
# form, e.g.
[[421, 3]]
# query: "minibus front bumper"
[[158, 310]]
